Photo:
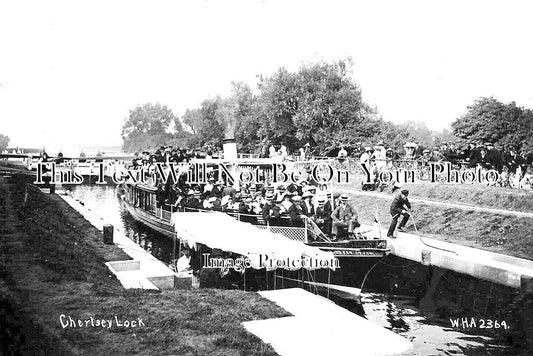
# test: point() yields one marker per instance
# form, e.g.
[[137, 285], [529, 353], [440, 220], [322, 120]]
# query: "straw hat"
[[307, 195]]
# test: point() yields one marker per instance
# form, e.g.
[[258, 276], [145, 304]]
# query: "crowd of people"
[[277, 205], [514, 168], [173, 154], [484, 154], [294, 204]]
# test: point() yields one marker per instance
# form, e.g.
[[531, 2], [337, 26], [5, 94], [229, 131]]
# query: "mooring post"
[[425, 258], [526, 290], [52, 188], [108, 234]]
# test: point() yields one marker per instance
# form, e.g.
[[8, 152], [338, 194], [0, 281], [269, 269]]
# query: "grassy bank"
[[52, 263], [493, 232], [470, 194]]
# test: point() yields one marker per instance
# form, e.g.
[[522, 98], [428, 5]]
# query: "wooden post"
[[425, 258], [526, 290], [108, 234]]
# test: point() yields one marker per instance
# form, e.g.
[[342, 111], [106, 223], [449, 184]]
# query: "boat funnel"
[[230, 149]]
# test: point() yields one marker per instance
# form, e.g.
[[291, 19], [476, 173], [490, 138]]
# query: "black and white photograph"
[[266, 177]]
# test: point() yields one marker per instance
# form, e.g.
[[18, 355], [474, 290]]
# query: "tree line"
[[4, 142], [320, 104]]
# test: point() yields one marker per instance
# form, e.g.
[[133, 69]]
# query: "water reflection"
[[398, 314], [104, 201], [407, 298]]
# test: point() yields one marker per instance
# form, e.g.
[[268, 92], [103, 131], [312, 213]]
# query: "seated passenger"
[[228, 190], [208, 188], [245, 209], [216, 203], [307, 205], [322, 215], [295, 211], [270, 211], [195, 202], [226, 202], [344, 216]]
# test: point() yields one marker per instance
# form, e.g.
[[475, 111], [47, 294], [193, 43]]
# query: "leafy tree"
[[323, 105], [221, 118], [192, 119], [488, 119], [147, 127], [246, 121], [4, 142], [276, 106], [206, 123], [328, 102], [320, 104]]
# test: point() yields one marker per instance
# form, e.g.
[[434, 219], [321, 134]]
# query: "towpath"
[[434, 202]]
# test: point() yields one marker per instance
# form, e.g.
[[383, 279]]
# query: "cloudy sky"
[[70, 71]]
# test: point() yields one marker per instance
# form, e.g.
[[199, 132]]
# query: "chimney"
[[230, 149]]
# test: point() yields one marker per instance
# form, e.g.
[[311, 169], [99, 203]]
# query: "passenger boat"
[[141, 201]]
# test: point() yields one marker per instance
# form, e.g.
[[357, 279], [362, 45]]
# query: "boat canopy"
[[263, 248]]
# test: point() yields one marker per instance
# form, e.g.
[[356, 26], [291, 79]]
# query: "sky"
[[70, 71]]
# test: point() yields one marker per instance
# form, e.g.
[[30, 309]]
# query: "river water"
[[440, 312]]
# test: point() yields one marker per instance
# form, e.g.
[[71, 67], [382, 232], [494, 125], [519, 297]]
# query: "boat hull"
[[160, 225]]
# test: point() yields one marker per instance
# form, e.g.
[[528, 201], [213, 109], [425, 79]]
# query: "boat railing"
[[297, 233], [165, 210]]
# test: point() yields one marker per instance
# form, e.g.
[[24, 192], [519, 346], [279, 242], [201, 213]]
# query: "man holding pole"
[[400, 206]]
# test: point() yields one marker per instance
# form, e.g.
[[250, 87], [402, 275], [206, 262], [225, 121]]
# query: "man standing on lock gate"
[[400, 207]]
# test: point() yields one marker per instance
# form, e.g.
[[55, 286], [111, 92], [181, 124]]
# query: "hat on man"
[[336, 195], [397, 185], [321, 200], [307, 194], [296, 198], [344, 197], [225, 199], [404, 192], [380, 143], [368, 149], [269, 195], [287, 195], [211, 179]]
